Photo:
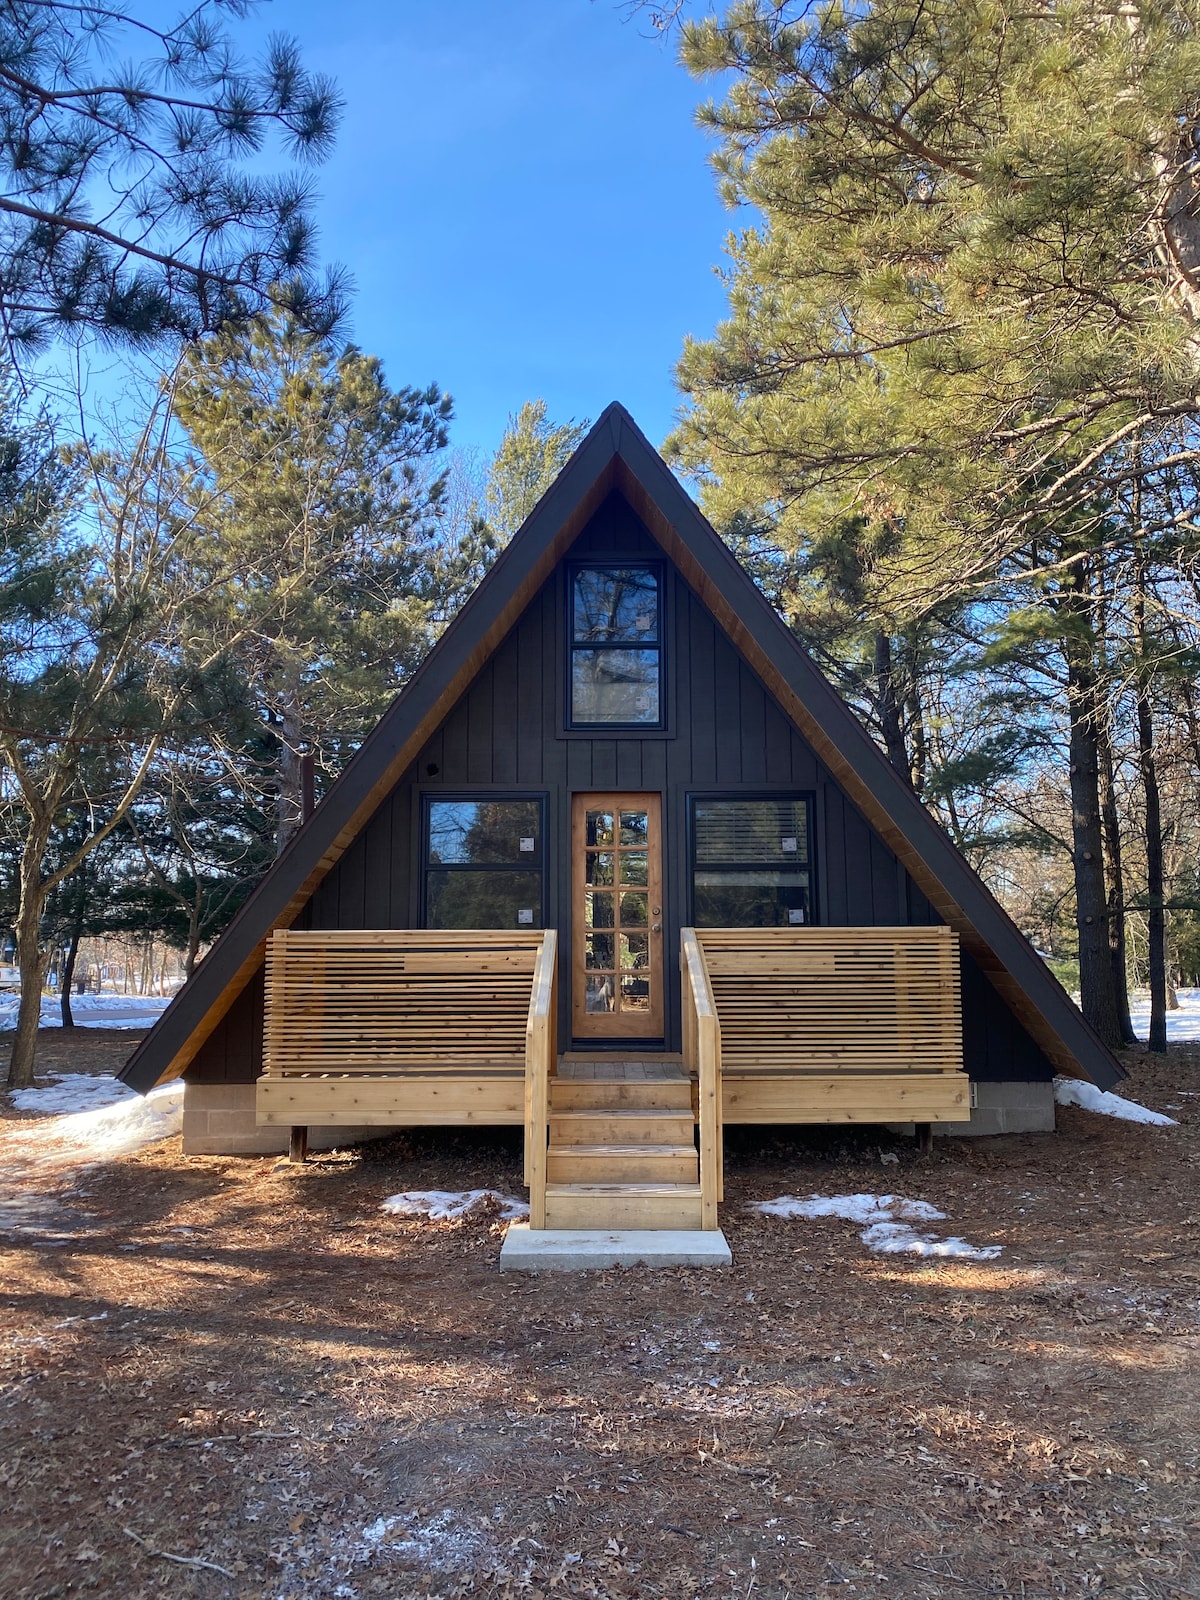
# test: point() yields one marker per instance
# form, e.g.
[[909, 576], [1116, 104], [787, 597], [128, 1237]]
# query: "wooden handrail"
[[702, 1057], [541, 1048]]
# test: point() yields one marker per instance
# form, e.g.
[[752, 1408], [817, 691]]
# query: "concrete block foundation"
[[218, 1120], [1015, 1107]]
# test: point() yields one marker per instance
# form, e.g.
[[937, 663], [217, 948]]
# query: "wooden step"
[[621, 1127], [623, 1205], [567, 1094], [615, 1163]]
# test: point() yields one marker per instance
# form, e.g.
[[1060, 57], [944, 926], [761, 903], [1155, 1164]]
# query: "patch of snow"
[[1075, 1092], [116, 1121], [445, 1205], [76, 1092], [899, 1239], [861, 1208], [886, 1222], [443, 1544], [85, 1120], [90, 1010], [1182, 1025]]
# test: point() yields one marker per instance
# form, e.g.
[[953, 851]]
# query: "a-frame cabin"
[[620, 866]]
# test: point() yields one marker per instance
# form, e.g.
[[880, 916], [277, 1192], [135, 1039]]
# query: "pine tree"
[[322, 514], [972, 284], [134, 199], [532, 453], [973, 275]]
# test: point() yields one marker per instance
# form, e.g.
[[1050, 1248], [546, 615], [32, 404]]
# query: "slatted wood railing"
[[702, 1058], [838, 1024], [399, 1027]]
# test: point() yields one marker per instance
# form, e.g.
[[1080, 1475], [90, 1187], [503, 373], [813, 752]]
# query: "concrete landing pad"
[[584, 1249]]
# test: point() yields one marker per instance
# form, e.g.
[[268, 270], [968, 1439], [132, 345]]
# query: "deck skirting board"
[[404, 1101], [861, 1097]]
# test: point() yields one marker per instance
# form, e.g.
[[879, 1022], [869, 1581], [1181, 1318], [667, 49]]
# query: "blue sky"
[[522, 197]]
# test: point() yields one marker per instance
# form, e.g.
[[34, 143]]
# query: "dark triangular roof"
[[616, 455]]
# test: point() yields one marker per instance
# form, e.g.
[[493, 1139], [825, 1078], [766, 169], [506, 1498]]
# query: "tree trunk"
[[889, 708], [1096, 987], [68, 977], [1115, 877], [290, 792], [1156, 917], [32, 960], [193, 943]]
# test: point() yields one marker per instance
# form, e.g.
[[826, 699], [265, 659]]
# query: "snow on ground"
[[886, 1221], [73, 1093], [444, 1544], [1075, 1092], [1183, 1024], [446, 1205], [90, 1010], [94, 1119], [84, 1121]]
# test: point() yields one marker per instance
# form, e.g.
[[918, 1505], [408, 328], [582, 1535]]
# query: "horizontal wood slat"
[[838, 1024], [377, 1003]]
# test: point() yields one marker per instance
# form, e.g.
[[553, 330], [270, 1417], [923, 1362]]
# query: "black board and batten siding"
[[725, 733]]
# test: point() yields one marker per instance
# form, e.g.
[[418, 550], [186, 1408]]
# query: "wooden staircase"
[[622, 1151]]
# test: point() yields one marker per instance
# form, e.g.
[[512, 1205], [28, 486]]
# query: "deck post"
[[702, 1057], [541, 1045], [298, 1144]]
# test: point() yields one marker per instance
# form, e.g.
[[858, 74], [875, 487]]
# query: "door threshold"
[[643, 1049]]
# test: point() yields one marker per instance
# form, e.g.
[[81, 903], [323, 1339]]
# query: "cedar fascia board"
[[475, 632], [934, 862]]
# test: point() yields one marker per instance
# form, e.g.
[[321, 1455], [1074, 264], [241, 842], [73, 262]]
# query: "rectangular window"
[[483, 863], [751, 863], [615, 678]]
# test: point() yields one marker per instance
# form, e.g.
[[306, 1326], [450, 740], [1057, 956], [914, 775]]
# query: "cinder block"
[[1018, 1106]]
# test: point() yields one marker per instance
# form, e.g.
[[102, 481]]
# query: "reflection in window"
[[483, 863], [750, 863], [616, 646]]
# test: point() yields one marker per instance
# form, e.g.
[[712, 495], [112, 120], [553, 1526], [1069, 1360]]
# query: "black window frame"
[[614, 564], [807, 796], [430, 798]]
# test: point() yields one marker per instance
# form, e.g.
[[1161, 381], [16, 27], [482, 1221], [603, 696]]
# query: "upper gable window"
[[616, 647]]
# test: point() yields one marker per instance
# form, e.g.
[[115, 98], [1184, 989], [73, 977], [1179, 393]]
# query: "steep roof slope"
[[616, 455]]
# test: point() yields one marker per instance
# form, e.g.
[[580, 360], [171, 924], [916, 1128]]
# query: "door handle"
[[656, 927]]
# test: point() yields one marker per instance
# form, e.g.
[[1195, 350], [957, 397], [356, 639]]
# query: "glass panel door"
[[617, 943]]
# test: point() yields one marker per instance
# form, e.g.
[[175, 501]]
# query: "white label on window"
[[788, 846], [794, 917], [528, 844], [643, 622], [525, 915]]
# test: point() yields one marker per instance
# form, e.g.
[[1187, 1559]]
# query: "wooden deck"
[[408, 1029]]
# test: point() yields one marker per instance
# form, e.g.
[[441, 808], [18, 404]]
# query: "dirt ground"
[[232, 1377]]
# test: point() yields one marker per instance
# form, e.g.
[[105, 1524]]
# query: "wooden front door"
[[617, 906]]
